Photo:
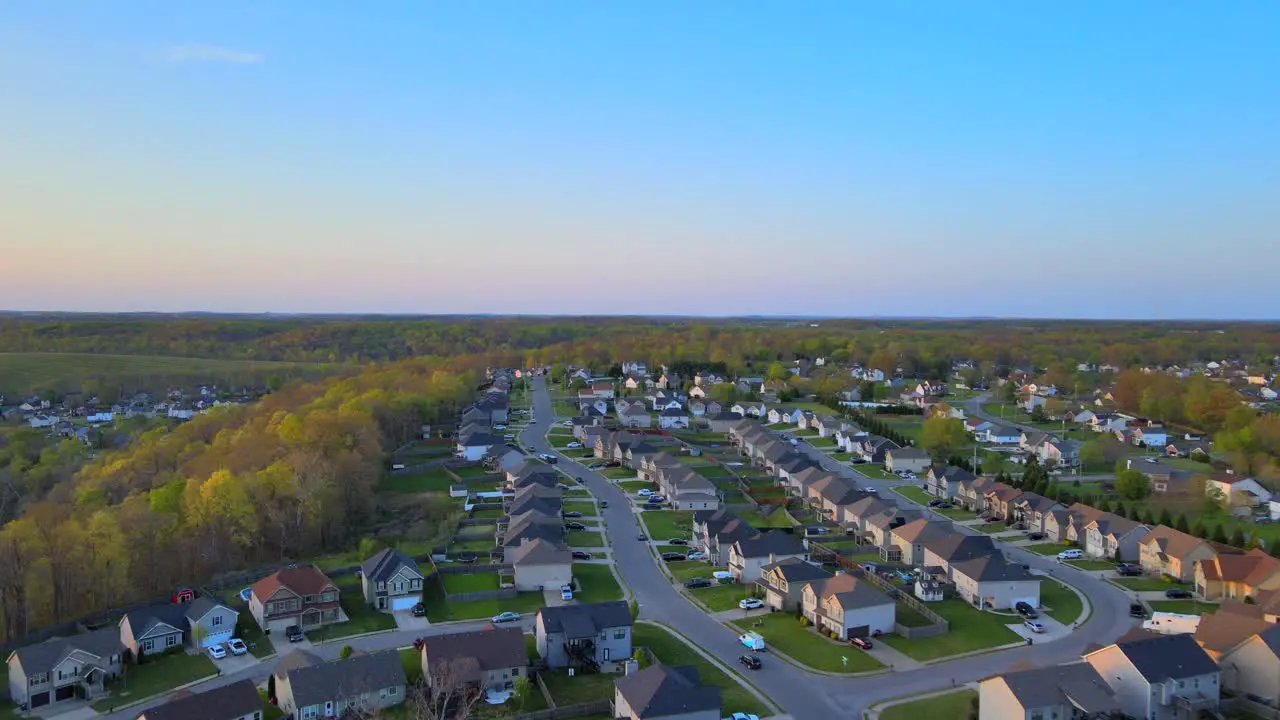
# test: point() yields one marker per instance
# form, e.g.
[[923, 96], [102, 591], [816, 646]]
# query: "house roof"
[[1271, 638], [315, 684], [481, 650], [922, 531], [229, 701], [143, 621], [673, 412], [582, 621], [1077, 683], [1162, 657], [1221, 631], [908, 453], [384, 564], [989, 568], [1172, 543], [958, 547], [1250, 568], [301, 580], [849, 592], [44, 656], [771, 543], [294, 660], [1115, 525], [540, 551], [660, 691], [200, 607], [795, 569]]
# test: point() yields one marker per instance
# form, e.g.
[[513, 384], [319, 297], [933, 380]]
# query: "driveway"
[[406, 621]]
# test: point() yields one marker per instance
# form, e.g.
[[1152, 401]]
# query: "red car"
[[863, 643]]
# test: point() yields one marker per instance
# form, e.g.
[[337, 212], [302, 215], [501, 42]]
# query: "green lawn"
[[1186, 607], [473, 545], [713, 471], [361, 619], [431, 481], [586, 508], [970, 630], [664, 524], [156, 676], [1142, 584], [580, 688], [585, 538], [723, 597], [683, 570], [842, 456], [821, 442], [672, 651], [1061, 603], [472, 472], [523, 603], [952, 705], [914, 494], [619, 473], [596, 583], [1046, 549], [412, 662], [777, 519], [874, 472], [1091, 564], [469, 582], [990, 528], [783, 633], [957, 513]]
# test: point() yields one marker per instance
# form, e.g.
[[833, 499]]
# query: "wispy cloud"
[[213, 53]]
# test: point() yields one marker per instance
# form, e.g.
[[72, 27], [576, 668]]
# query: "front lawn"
[[777, 519], [663, 524], [155, 676], [1185, 607], [957, 513], [585, 538], [361, 619], [412, 662], [472, 471], [469, 582], [952, 705], [619, 473], [631, 487], [784, 633], [874, 472], [580, 688], [596, 583], [1046, 549], [588, 509], [991, 528], [713, 471], [683, 570], [523, 603], [970, 630], [1091, 564], [723, 597], [1142, 584], [672, 651], [473, 545], [914, 494], [431, 481], [1060, 602]]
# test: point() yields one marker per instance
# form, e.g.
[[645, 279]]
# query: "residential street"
[[800, 694]]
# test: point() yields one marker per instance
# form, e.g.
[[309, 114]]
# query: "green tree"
[[521, 690], [941, 435], [1092, 455], [1166, 518], [1181, 524], [634, 607], [1132, 485], [1219, 535], [991, 463], [1237, 538], [346, 652], [1198, 529]]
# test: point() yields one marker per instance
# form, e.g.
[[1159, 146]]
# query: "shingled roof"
[[660, 691]]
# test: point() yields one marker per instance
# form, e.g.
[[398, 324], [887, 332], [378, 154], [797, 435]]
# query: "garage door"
[[39, 699], [404, 603], [859, 631], [65, 693], [215, 639]]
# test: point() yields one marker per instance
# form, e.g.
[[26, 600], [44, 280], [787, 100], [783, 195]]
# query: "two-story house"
[[1237, 576], [783, 582], [661, 692], [1161, 677], [849, 607], [67, 668], [307, 687], [237, 701], [301, 596], [714, 531], [490, 659], [911, 538], [943, 552], [944, 481], [747, 557], [391, 581], [1168, 552], [1056, 691], [1114, 536], [991, 582], [202, 622], [593, 636]]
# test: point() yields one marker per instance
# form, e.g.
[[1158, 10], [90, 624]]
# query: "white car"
[[743, 716], [1072, 554], [566, 593], [216, 652], [644, 493], [696, 555], [499, 427], [237, 646], [1034, 626], [751, 604], [574, 445]]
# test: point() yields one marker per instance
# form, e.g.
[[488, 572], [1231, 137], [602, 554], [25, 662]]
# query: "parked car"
[[505, 617], [1178, 594], [751, 603], [656, 499], [237, 646], [294, 634], [673, 557], [677, 541], [1034, 626], [1072, 554], [751, 661], [858, 642], [1128, 570], [1035, 536], [572, 514], [697, 555], [508, 436], [574, 445], [566, 593], [419, 610], [1025, 610], [581, 555], [604, 504], [698, 583], [574, 526], [641, 536], [644, 493], [935, 502], [752, 641], [216, 652], [1137, 610]]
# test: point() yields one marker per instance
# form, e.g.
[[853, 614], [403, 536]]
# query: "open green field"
[[580, 688], [951, 705], [585, 538], [25, 372], [724, 597], [784, 633], [874, 472], [631, 487], [665, 524], [777, 519], [469, 582], [619, 473], [713, 471], [971, 630], [587, 509], [429, 481], [596, 583], [684, 570], [1061, 603], [1143, 584], [440, 611], [670, 650]]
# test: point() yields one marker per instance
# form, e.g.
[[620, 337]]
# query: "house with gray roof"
[[715, 531], [391, 581], [595, 636], [849, 607], [237, 701], [490, 659], [162, 627], [783, 582], [661, 692], [364, 682], [62, 669], [1159, 676], [748, 556], [1061, 691], [906, 459], [990, 582], [541, 564]]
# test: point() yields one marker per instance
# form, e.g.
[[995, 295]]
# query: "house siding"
[[997, 702], [1252, 669]]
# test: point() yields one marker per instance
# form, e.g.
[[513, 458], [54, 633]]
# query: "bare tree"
[[448, 692]]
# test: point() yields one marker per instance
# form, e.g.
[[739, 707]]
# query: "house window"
[[382, 585], [148, 645], [393, 691], [216, 621], [620, 634], [170, 641], [515, 672]]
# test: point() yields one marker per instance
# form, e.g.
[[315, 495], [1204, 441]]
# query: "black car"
[[572, 514], [641, 537], [670, 557], [604, 503], [1025, 610], [698, 583], [574, 526], [935, 502], [467, 559], [293, 633], [677, 541], [419, 610], [1035, 536], [581, 555], [1128, 570], [1136, 610], [751, 661], [1177, 594]]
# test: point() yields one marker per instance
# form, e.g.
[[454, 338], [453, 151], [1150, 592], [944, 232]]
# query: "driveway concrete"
[[235, 663], [406, 621]]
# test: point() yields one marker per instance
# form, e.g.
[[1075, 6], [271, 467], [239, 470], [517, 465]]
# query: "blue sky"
[[1082, 159]]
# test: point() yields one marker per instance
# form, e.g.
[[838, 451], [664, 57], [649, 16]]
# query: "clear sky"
[[1081, 159]]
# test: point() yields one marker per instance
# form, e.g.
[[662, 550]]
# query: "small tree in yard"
[[634, 607], [521, 689], [198, 635], [346, 652], [447, 693]]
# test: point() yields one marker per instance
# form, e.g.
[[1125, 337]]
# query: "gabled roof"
[[45, 656], [385, 563], [540, 551], [661, 691], [922, 531], [315, 684], [585, 621], [771, 543], [202, 606], [989, 568], [303, 580], [1172, 543], [1250, 568], [478, 651], [849, 592], [1220, 632], [230, 701], [957, 547], [795, 570], [1078, 684], [1163, 657], [908, 453]]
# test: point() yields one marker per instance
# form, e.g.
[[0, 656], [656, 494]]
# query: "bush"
[[805, 622]]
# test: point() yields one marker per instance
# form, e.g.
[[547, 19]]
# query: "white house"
[[100, 417], [1237, 490], [673, 419], [1159, 676], [990, 582], [42, 421], [848, 607]]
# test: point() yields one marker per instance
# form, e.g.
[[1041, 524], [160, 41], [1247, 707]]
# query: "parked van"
[[1072, 554], [752, 641]]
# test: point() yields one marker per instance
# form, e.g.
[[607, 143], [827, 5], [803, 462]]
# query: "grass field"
[[431, 481], [619, 473], [25, 372], [588, 509], [952, 705], [469, 582], [585, 538], [1091, 564], [970, 630], [631, 487], [671, 651], [596, 583], [783, 633], [580, 688], [664, 524], [713, 471], [914, 494], [776, 519], [723, 597], [1048, 549], [157, 676], [688, 569], [1062, 603]]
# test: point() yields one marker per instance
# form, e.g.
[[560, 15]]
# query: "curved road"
[[802, 694]]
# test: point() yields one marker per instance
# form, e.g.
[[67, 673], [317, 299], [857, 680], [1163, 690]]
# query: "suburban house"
[[907, 459], [880, 525], [715, 531], [595, 636], [1237, 576], [541, 564], [829, 494], [1158, 676], [301, 596], [955, 547], [1237, 490], [491, 659], [1068, 524], [306, 687], [1033, 509], [911, 538], [1223, 631], [972, 493], [237, 701], [1000, 435], [722, 422], [65, 668], [661, 692], [783, 582], [944, 481], [752, 409], [391, 581], [635, 417], [1252, 667], [1056, 691], [1060, 453], [1114, 537], [848, 606], [1168, 552], [748, 556], [162, 627], [1000, 500], [991, 582], [673, 419]]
